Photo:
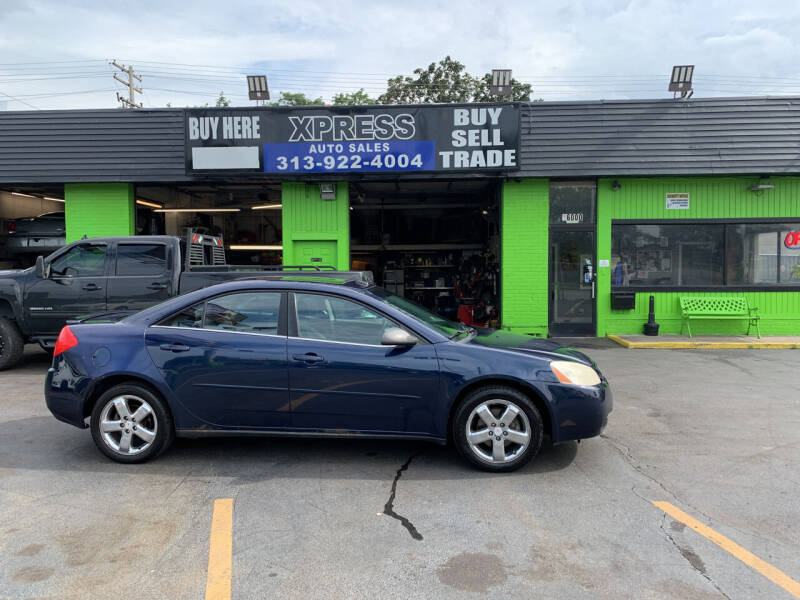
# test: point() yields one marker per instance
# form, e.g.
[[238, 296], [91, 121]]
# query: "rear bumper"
[[64, 393], [580, 412], [24, 244]]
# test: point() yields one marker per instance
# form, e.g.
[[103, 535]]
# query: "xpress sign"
[[354, 140]]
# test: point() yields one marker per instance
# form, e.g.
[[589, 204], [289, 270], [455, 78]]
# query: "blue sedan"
[[318, 356]]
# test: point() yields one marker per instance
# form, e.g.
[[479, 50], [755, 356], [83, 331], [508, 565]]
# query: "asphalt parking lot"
[[714, 433]]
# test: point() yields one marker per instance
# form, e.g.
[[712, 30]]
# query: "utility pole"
[[130, 101]]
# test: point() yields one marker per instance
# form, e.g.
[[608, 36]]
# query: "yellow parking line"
[[751, 560], [218, 583]]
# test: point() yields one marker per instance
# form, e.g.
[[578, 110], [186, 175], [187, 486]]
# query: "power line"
[[20, 101]]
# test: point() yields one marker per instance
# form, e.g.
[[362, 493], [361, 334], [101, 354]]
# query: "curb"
[[705, 345]]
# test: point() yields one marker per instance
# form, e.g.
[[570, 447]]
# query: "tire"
[[118, 406], [519, 439], [11, 344]]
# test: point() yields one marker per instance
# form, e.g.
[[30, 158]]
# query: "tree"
[[353, 98], [222, 100], [446, 81], [296, 99]]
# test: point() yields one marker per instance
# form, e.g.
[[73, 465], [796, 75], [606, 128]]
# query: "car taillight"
[[12, 227], [66, 340]]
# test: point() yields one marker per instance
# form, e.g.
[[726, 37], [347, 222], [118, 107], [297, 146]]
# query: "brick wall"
[[524, 256]]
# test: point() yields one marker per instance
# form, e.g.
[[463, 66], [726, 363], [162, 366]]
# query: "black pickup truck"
[[115, 275]]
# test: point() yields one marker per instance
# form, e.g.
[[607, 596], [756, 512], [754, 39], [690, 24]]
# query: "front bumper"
[[580, 412]]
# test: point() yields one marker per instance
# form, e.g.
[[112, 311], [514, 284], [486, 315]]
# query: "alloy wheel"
[[128, 425], [498, 431]]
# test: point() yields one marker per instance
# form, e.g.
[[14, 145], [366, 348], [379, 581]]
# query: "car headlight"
[[574, 373]]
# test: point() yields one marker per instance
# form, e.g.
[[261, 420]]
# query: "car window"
[[141, 259], [247, 312], [83, 260], [191, 316], [336, 319]]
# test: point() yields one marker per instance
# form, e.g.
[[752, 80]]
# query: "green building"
[[557, 218]]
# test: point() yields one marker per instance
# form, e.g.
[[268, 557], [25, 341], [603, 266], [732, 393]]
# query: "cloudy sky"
[[54, 54]]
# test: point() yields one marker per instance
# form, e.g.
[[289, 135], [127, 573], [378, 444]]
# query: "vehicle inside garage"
[[31, 222]]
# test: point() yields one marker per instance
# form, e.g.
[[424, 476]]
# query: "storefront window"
[[702, 254], [572, 203], [752, 254], [667, 255], [789, 254]]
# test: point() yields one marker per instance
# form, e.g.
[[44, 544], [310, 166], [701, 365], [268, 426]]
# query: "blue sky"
[[54, 54]]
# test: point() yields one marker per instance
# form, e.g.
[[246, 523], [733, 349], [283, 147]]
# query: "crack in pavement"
[[388, 508], [692, 558], [626, 455]]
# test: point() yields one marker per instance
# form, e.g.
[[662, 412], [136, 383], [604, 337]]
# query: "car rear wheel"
[[11, 344], [497, 428], [130, 424]]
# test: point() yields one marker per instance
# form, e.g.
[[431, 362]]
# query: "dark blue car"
[[319, 357]]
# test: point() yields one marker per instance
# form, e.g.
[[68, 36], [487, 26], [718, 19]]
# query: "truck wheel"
[[11, 344]]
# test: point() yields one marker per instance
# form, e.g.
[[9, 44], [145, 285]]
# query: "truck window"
[[83, 260], [141, 259]]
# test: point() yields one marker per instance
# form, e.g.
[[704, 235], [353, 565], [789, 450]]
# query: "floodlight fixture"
[[681, 81], [501, 83], [327, 191], [257, 87]]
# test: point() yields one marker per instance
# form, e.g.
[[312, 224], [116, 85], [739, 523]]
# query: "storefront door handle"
[[593, 284]]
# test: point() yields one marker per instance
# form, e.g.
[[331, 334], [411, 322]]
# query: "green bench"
[[702, 307]]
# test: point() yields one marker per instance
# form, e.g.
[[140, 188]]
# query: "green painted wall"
[[99, 210], [311, 225], [710, 197], [524, 228]]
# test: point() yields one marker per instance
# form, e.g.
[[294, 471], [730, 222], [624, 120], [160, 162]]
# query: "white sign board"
[[677, 201]]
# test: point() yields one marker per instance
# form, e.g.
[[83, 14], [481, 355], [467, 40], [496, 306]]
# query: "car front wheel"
[[130, 424], [497, 428]]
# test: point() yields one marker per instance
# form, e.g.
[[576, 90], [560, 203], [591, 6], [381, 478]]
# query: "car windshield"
[[431, 319]]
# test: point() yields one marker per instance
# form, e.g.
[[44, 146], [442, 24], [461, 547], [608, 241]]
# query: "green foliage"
[[222, 100], [353, 98], [446, 81], [296, 99]]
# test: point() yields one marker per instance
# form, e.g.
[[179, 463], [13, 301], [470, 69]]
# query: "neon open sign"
[[792, 240]]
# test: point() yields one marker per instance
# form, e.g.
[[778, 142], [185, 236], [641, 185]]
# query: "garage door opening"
[[433, 242], [247, 215]]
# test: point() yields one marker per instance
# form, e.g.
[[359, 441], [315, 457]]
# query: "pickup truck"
[[114, 275]]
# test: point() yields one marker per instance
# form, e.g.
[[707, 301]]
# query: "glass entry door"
[[572, 282]]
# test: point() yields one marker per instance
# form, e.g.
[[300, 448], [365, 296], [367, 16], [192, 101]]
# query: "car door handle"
[[92, 287], [308, 358], [174, 347], [157, 286]]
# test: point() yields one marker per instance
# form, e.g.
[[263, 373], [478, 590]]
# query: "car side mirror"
[[42, 272], [394, 336]]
